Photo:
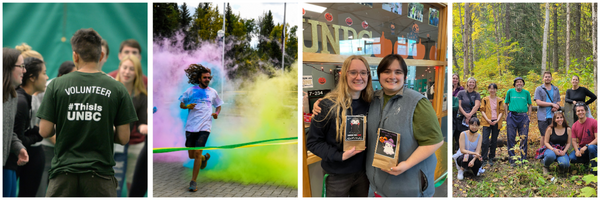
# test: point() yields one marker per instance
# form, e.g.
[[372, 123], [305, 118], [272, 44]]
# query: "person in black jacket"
[[345, 170], [577, 94], [30, 174]]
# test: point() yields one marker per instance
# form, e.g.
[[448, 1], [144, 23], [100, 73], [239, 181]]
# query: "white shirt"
[[200, 118]]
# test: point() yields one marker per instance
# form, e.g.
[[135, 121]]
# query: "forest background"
[[497, 42]]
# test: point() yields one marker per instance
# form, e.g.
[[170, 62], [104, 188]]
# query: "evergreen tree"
[[184, 19], [163, 19]]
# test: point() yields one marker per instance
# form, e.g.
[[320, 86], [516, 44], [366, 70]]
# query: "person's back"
[[84, 128], [91, 111]]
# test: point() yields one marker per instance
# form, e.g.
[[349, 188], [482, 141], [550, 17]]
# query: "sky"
[[256, 9]]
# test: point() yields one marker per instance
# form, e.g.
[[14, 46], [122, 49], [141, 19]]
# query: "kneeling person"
[[584, 138]]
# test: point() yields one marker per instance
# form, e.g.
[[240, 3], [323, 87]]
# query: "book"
[[386, 150], [355, 132]]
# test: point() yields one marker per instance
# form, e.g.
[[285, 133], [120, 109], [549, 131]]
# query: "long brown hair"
[[138, 82], [554, 124], [9, 59], [342, 100]]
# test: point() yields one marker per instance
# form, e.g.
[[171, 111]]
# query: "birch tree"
[[545, 46]]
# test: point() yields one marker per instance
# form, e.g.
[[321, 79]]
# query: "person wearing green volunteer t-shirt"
[[91, 111], [518, 101]]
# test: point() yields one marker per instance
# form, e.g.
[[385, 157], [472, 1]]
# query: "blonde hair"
[[27, 52], [472, 79], [138, 82], [341, 98]]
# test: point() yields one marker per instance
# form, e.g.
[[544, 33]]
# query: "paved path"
[[172, 180]]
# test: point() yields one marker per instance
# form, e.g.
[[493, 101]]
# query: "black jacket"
[[321, 140]]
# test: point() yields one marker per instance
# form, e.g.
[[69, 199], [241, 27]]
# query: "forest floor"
[[527, 180]]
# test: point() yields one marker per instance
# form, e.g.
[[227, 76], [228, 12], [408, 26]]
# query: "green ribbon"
[[441, 180], [231, 146]]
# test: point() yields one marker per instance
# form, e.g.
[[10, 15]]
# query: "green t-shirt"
[[426, 127], [426, 131], [85, 107], [386, 98], [517, 101]]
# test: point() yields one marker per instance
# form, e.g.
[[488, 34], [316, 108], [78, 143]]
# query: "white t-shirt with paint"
[[200, 118]]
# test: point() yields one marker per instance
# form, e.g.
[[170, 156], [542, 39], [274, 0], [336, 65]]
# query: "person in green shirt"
[[518, 101], [402, 110], [91, 111]]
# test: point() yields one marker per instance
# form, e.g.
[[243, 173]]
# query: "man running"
[[199, 100]]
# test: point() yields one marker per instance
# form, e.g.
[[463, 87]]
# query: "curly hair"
[[194, 73]]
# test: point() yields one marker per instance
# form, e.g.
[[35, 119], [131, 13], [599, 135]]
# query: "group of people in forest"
[[561, 128], [59, 134]]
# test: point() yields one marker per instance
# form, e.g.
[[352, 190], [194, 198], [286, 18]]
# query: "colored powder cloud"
[[259, 108]]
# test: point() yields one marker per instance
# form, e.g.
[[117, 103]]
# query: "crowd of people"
[[59, 134], [560, 127]]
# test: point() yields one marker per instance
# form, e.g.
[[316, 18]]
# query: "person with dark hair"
[[468, 157], [577, 94], [557, 141], [345, 170], [199, 100], [91, 111], [30, 174], [130, 47], [492, 111], [584, 138], [456, 119], [27, 52], [420, 134], [106, 51], [65, 68], [547, 97], [456, 85], [518, 101], [12, 76], [47, 144]]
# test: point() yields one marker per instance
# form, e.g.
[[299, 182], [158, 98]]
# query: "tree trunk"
[[465, 43], [567, 61], [594, 44], [498, 36], [455, 58], [545, 46], [471, 46], [576, 42], [555, 48], [506, 29], [462, 32]]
